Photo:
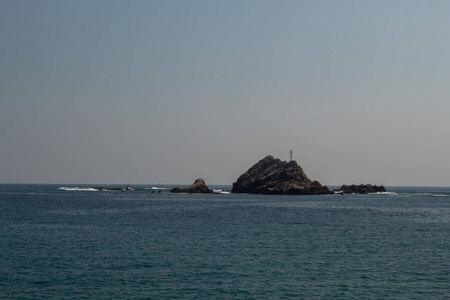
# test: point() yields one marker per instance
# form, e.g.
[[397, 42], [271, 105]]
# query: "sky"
[[164, 92]]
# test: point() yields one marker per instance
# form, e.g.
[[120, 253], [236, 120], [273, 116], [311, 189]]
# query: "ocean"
[[62, 242]]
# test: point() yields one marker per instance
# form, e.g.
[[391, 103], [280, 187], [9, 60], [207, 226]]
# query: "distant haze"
[[153, 92]]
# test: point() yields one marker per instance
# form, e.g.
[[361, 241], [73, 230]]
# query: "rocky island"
[[360, 189], [198, 187], [271, 176], [275, 177]]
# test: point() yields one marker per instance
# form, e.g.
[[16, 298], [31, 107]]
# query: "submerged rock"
[[275, 177], [101, 188], [199, 187], [360, 189]]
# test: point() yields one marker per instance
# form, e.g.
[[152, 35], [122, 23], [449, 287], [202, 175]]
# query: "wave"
[[425, 195], [221, 192], [155, 188], [414, 194], [78, 189]]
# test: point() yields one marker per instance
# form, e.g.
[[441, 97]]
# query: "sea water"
[[65, 242]]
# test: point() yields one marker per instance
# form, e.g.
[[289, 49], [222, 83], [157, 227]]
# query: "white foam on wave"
[[77, 189], [221, 192], [156, 188]]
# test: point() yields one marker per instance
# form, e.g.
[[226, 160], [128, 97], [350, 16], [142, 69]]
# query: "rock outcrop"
[[199, 187], [360, 189], [275, 177]]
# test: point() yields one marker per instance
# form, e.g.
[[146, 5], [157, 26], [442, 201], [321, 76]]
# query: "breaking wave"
[[78, 189], [156, 188], [220, 192]]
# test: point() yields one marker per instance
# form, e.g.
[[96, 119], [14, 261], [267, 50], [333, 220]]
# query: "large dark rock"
[[360, 189], [275, 177], [199, 187]]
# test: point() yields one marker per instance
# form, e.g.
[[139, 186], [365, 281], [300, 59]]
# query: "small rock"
[[360, 189], [199, 187]]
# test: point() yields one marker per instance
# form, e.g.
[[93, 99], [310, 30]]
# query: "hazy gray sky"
[[155, 92]]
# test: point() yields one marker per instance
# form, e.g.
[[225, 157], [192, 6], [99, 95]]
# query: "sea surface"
[[63, 242]]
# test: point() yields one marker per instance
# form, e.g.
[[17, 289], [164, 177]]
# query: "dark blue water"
[[84, 244]]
